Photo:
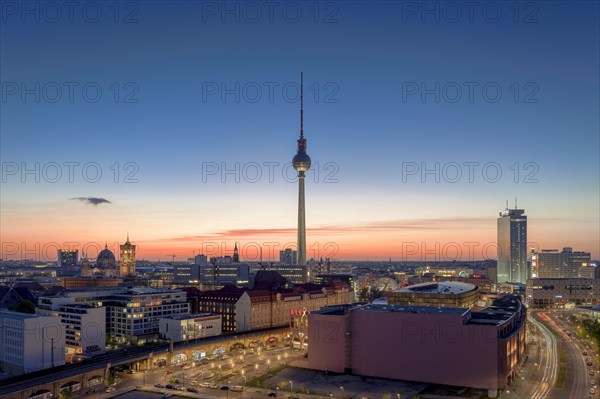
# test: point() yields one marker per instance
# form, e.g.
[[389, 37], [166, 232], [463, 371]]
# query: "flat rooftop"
[[7, 314], [342, 310], [189, 316], [413, 309], [442, 287]]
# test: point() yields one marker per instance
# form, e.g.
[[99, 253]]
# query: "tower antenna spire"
[[301, 105]]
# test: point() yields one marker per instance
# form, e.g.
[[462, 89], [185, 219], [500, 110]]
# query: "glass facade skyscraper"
[[512, 246]]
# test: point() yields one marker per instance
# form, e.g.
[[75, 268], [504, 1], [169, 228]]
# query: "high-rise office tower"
[[201, 260], [127, 258], [67, 258], [301, 163], [512, 246], [288, 256], [566, 264]]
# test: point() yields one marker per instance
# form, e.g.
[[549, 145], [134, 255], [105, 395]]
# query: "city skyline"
[[381, 118]]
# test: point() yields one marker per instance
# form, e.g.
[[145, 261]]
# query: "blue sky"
[[363, 61]]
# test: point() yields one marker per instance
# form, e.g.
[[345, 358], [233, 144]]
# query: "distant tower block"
[[301, 163], [236, 254], [127, 258]]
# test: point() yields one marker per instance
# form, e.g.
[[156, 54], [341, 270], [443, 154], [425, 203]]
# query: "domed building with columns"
[[105, 266]]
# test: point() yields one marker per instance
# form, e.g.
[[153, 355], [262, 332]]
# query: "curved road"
[[548, 361], [577, 379]]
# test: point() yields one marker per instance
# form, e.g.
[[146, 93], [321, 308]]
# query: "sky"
[[177, 122]]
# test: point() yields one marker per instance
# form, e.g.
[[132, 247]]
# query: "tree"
[[110, 379], [66, 393], [25, 306], [363, 294]]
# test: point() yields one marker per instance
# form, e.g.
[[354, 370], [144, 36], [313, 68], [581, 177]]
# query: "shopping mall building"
[[479, 347]]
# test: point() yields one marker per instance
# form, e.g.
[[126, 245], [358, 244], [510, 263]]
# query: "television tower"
[[301, 163]]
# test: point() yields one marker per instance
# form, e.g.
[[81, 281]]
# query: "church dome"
[[106, 259]]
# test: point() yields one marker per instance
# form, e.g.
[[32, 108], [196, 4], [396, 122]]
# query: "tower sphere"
[[301, 162]]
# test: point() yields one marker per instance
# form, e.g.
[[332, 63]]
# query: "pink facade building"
[[438, 345]]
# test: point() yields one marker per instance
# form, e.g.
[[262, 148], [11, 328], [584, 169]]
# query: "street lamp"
[[342, 389], [292, 387]]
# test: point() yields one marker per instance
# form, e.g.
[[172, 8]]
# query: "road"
[[578, 380], [554, 349], [539, 375]]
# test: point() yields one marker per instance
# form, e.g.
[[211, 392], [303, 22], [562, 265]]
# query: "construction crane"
[[173, 258]]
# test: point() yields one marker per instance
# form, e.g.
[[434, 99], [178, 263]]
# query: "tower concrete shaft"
[[301, 222], [301, 163]]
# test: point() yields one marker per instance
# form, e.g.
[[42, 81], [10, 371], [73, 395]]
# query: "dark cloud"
[[92, 200]]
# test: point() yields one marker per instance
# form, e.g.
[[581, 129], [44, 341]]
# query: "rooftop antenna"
[[515, 202], [301, 105], [506, 204]]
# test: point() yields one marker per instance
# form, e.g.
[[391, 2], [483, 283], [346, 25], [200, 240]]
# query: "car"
[[110, 389], [585, 353], [212, 385], [592, 391], [180, 388], [167, 395], [224, 387], [590, 363], [193, 390], [236, 388], [169, 372], [170, 386], [131, 371], [204, 385], [159, 385], [592, 372], [187, 367], [272, 394]]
